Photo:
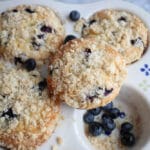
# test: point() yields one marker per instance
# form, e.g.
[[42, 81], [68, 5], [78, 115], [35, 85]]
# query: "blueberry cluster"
[[127, 138], [107, 123]]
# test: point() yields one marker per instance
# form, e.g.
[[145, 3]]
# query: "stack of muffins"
[[84, 73]]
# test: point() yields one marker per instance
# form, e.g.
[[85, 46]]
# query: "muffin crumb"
[[59, 140], [79, 25]]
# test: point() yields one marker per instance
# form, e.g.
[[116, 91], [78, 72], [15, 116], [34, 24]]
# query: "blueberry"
[[114, 113], [42, 85], [88, 117], [122, 19], [47, 29], [108, 91], [92, 21], [137, 40], [108, 132], [91, 98], [30, 64], [29, 10], [128, 139], [18, 60], [3, 13], [83, 27], [95, 111], [95, 128], [108, 106], [110, 126], [87, 52], [106, 118], [36, 45], [9, 113], [15, 10], [133, 42], [126, 127], [122, 115], [108, 123], [68, 38], [40, 36], [74, 15]]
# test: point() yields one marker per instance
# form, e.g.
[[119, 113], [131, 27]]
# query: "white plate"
[[135, 92]]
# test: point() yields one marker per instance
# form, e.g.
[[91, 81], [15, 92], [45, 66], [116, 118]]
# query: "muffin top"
[[31, 31], [125, 32], [86, 74], [27, 114]]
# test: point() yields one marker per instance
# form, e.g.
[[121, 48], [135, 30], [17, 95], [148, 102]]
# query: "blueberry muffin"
[[124, 31], [86, 74], [30, 31], [27, 115]]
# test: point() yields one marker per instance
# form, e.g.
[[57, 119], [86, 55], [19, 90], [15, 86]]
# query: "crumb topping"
[[85, 72], [31, 30], [26, 111], [122, 30]]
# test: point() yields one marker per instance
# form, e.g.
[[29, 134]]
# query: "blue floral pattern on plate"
[[146, 69]]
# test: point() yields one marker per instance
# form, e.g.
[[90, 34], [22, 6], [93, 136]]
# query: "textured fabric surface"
[[142, 3]]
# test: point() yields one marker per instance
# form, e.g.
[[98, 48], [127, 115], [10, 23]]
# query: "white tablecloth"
[[142, 3]]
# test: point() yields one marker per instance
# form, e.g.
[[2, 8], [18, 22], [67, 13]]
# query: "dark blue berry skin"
[[40, 36], [108, 132], [36, 45], [30, 64], [108, 106], [74, 15], [126, 127], [95, 111], [106, 118], [46, 29], [42, 85], [114, 113], [122, 19], [92, 21], [88, 118], [69, 38], [108, 123], [18, 60], [108, 91], [95, 128], [28, 10], [133, 41], [122, 115], [9, 113], [15, 10], [128, 139]]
